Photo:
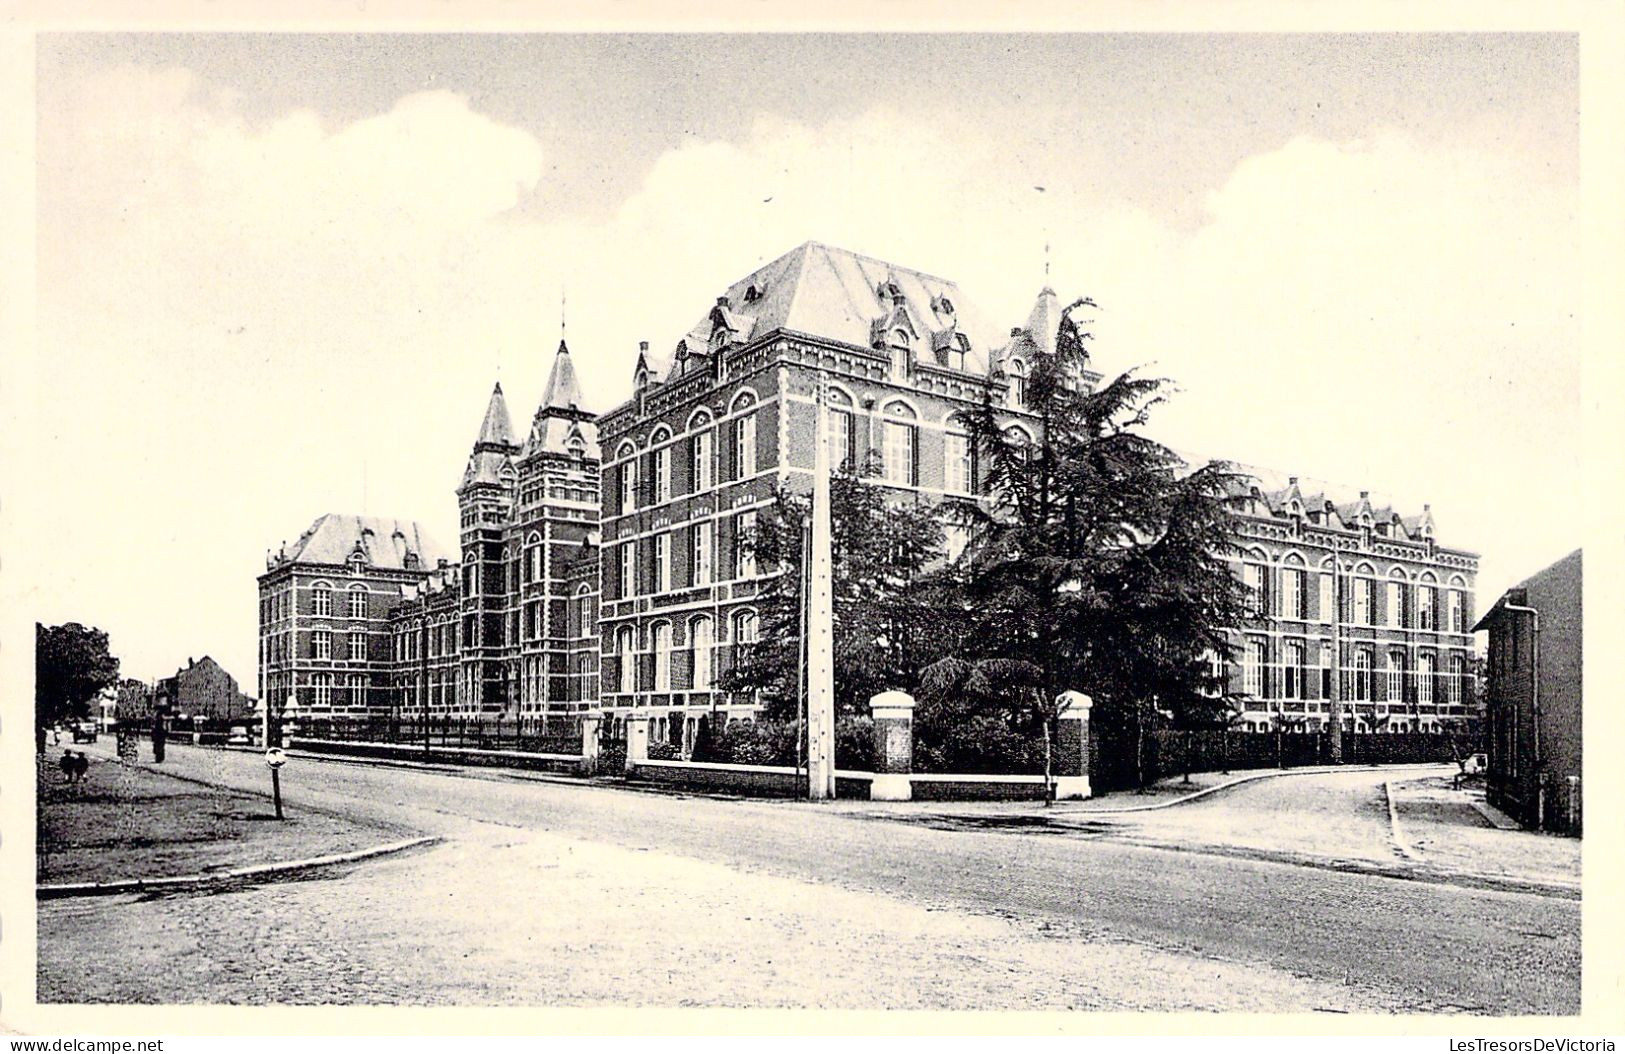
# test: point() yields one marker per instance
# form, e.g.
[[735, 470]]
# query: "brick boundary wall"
[[785, 782], [564, 764]]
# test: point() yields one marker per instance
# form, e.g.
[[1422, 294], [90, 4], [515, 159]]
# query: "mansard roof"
[[1334, 504], [838, 294], [383, 542]]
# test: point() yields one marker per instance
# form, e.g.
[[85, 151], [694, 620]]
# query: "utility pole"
[[1336, 693], [820, 621]]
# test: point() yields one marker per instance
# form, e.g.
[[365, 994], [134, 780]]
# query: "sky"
[[278, 275]]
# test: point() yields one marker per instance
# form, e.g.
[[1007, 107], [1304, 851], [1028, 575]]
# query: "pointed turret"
[[1045, 320], [563, 392], [497, 428], [489, 462]]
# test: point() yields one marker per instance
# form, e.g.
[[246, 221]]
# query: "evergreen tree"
[[1097, 561], [888, 603]]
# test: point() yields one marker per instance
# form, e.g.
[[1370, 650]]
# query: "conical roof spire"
[[497, 428], [563, 392], [1045, 320]]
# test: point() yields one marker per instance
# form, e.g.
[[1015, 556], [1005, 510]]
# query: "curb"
[[258, 871], [1238, 781], [1401, 846]]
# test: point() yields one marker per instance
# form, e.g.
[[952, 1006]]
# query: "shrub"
[[664, 752], [980, 744], [855, 744], [759, 742]]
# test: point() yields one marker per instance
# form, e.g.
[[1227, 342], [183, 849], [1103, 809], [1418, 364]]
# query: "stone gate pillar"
[[591, 722], [1071, 758], [893, 714], [637, 740]]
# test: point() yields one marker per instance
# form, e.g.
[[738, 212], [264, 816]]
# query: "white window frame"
[[700, 554], [1328, 597], [1427, 667], [662, 558], [629, 569], [321, 644], [663, 475], [321, 602], [1252, 667], [746, 627], [357, 636], [702, 460], [745, 446], [744, 527], [629, 484], [961, 471], [358, 593], [660, 644], [702, 644], [901, 440]]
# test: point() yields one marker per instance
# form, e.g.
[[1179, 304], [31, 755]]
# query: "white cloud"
[[235, 317]]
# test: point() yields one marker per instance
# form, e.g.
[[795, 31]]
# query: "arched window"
[[1427, 602], [1294, 587], [1255, 583], [1017, 373], [321, 600], [900, 352], [583, 611], [900, 452], [660, 641], [627, 659], [358, 601], [700, 456], [699, 632], [629, 477], [1365, 596], [1427, 666], [533, 558], [1395, 602], [745, 627], [958, 461]]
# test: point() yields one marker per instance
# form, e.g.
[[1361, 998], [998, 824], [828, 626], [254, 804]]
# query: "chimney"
[[1292, 481], [722, 301], [1015, 331], [1365, 495], [643, 346]]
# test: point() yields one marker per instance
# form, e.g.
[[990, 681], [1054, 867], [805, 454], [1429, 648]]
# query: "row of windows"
[[321, 645], [1293, 677], [321, 599], [699, 558], [351, 689], [701, 644], [1403, 606]]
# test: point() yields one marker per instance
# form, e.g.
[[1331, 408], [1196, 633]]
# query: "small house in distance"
[[1533, 701]]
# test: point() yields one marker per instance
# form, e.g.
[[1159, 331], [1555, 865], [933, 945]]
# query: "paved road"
[[556, 893]]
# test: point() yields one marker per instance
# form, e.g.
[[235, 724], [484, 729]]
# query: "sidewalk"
[[1446, 828]]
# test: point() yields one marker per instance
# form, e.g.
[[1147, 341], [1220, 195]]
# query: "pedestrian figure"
[[67, 766], [158, 735]]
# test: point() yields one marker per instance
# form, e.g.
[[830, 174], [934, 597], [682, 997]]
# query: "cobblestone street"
[[548, 893]]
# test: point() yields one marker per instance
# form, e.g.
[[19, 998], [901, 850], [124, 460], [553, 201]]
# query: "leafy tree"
[[889, 615], [1097, 561], [71, 665]]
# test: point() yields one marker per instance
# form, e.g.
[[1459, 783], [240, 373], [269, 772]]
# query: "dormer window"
[[1017, 374], [945, 305], [899, 353], [752, 295]]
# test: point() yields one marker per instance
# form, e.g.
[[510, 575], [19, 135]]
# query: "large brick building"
[[325, 602], [614, 542], [204, 692], [729, 415]]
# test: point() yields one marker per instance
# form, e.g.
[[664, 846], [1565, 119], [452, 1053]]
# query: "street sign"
[[276, 758]]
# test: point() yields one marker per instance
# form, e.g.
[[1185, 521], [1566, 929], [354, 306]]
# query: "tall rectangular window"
[[1252, 669], [956, 451], [1252, 577], [1396, 677], [1328, 599], [662, 563], [358, 647], [321, 643], [1427, 666], [840, 439], [358, 603], [1396, 604], [1292, 670], [745, 447], [744, 556], [702, 461], [1362, 675], [662, 475], [322, 602], [1292, 580], [700, 555], [1458, 618], [1458, 677], [322, 683], [899, 454], [629, 569], [1428, 605], [629, 484], [1365, 602]]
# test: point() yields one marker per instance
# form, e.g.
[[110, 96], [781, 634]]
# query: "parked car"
[[84, 732]]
